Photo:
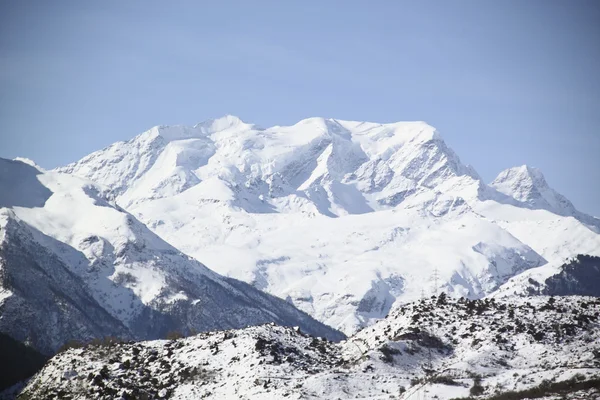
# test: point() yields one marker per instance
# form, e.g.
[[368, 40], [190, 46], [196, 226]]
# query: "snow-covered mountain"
[[73, 265], [343, 219], [528, 185], [529, 188], [537, 347]]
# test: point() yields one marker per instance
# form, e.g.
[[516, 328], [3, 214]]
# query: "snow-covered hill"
[[342, 218], [73, 265], [440, 347], [579, 276]]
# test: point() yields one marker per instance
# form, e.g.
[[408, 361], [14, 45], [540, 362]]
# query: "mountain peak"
[[218, 124], [181, 132], [528, 185], [523, 173]]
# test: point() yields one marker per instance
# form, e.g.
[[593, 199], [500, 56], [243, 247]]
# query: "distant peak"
[[522, 175], [529, 170], [528, 185]]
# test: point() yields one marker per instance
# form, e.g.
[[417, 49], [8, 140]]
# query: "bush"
[[415, 381], [106, 341], [71, 344], [445, 380], [477, 389], [442, 299], [387, 353]]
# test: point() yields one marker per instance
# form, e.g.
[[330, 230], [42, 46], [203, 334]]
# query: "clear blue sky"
[[506, 82]]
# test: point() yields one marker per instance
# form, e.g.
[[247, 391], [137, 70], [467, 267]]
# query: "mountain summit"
[[326, 166]]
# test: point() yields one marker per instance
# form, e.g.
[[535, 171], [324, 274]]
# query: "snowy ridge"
[[434, 347], [85, 268], [344, 219], [410, 154]]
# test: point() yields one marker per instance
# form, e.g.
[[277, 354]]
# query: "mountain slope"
[[19, 362], [342, 218], [435, 347], [579, 276], [75, 266]]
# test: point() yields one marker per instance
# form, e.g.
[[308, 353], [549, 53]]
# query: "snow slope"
[[433, 348], [73, 265], [342, 218]]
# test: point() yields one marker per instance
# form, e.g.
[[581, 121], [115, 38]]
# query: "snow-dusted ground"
[[74, 265], [433, 347], [344, 219]]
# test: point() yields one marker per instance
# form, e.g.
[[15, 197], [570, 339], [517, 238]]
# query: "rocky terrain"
[[437, 346]]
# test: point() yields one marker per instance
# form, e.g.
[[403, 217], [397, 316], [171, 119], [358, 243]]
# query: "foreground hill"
[[342, 218], [434, 347], [75, 266]]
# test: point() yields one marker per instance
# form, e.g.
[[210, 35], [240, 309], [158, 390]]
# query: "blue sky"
[[506, 82]]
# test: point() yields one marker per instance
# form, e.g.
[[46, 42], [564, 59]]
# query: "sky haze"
[[506, 82]]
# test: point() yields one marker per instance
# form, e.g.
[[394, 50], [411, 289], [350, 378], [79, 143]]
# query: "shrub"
[[415, 381], [477, 389], [106, 341], [124, 278], [445, 380], [71, 344], [387, 353]]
